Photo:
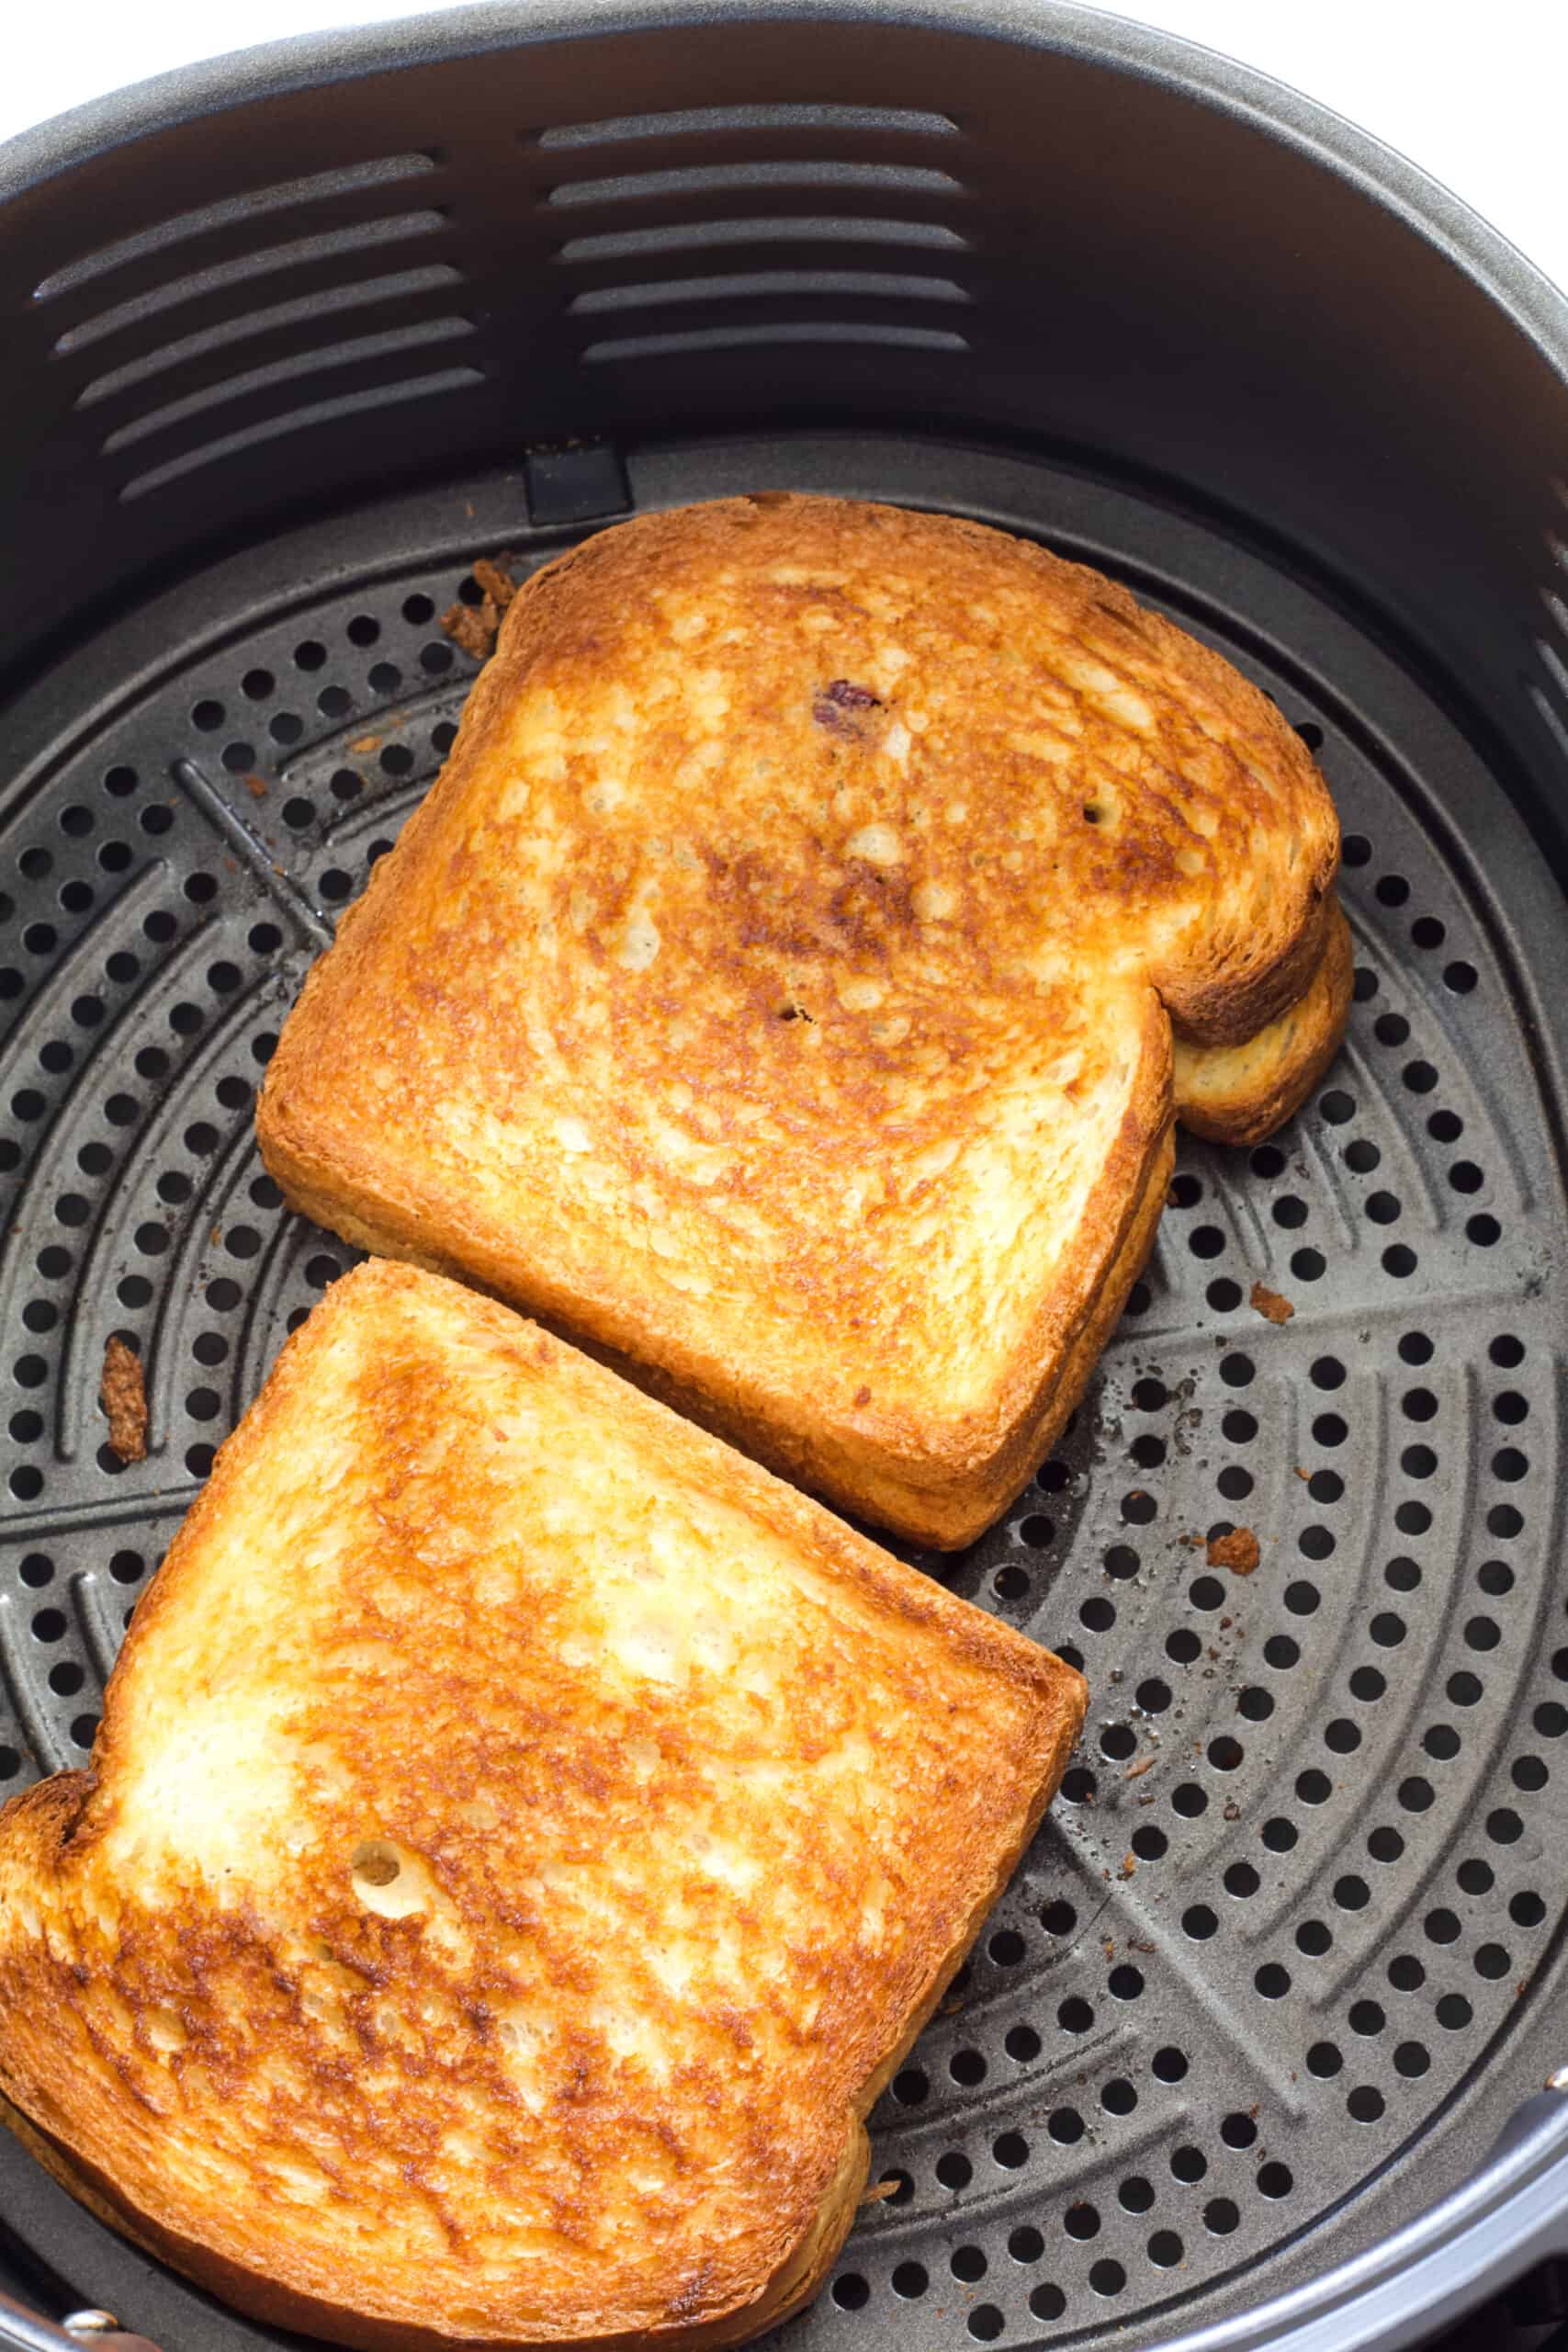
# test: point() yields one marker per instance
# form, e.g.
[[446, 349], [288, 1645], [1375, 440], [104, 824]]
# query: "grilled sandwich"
[[522, 1839], [791, 981]]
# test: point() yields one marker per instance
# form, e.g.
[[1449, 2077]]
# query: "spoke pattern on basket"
[[121, 1508], [284, 891]]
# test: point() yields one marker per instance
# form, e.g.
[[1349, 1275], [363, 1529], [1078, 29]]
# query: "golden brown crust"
[[1241, 1094], [777, 987], [696, 1799]]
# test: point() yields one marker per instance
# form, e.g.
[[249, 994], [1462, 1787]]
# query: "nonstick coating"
[[1283, 1959]]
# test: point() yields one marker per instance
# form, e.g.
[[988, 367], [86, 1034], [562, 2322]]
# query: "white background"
[[1479, 101]]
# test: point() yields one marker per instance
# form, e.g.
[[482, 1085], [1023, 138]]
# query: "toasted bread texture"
[[522, 1840], [778, 988]]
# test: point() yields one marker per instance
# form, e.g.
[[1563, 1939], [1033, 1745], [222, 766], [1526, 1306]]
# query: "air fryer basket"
[[291, 341]]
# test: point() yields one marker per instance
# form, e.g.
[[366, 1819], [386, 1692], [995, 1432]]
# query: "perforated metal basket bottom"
[[1277, 1968]]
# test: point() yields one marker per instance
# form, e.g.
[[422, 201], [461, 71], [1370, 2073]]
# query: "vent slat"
[[320, 187], [446, 380], [719, 179], [699, 122], [299, 252], [394, 287], [673, 346], [353, 351], [854, 285], [684, 236]]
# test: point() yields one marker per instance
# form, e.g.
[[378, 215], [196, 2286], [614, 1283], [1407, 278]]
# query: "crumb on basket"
[[881, 2188], [496, 579], [256, 786], [1135, 1772], [1271, 1305], [1238, 1551], [474, 627], [124, 1397]]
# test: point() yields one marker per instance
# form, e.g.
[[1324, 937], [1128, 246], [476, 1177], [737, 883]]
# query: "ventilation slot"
[[725, 179], [355, 352], [851, 284], [706, 122], [397, 286], [321, 187], [1550, 695], [448, 380], [302, 253], [675, 347], [695, 236]]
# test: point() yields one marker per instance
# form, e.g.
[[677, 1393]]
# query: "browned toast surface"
[[521, 1838], [778, 986]]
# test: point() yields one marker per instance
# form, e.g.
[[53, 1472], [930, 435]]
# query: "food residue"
[[496, 581], [124, 1397], [474, 627], [1135, 1772], [1237, 1550], [256, 786], [1271, 1305]]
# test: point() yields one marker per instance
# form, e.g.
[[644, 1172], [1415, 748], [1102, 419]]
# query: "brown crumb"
[[473, 626], [124, 1397], [1305, 1475], [1237, 1552], [1129, 1864], [256, 786], [879, 2190], [950, 2009], [1110, 1949], [496, 579], [1135, 1772], [1271, 1305], [365, 743]]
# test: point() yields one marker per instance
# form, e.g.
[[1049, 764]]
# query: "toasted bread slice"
[[522, 1839], [777, 989]]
